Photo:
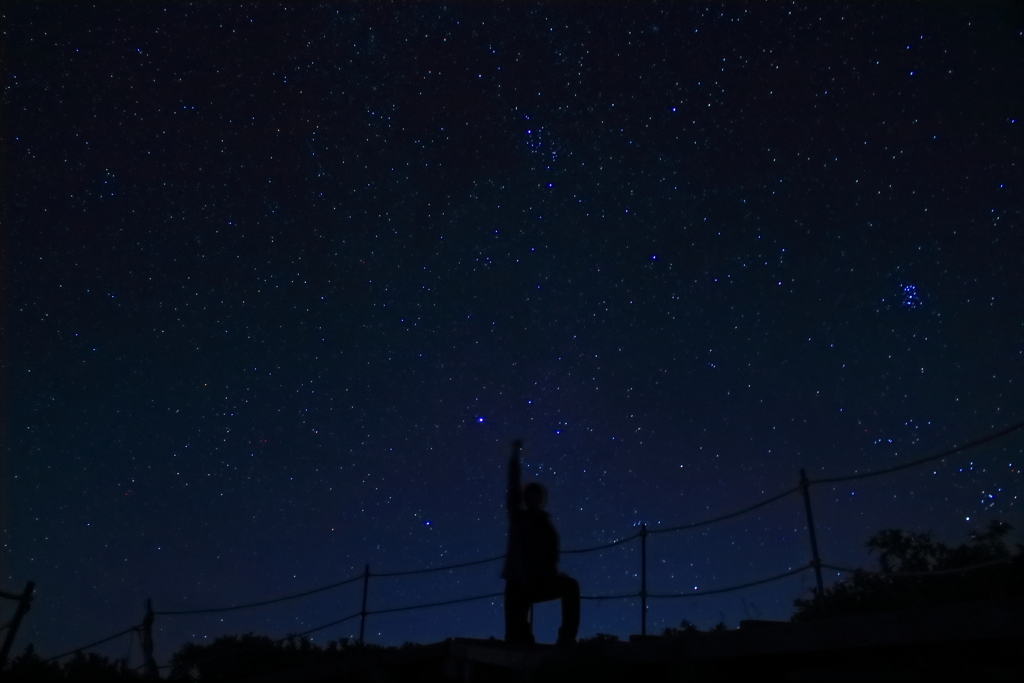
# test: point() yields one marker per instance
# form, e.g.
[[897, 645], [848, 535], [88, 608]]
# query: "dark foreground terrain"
[[978, 641]]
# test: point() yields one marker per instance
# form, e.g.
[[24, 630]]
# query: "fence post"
[[643, 579], [815, 560], [24, 605], [362, 613], [147, 642]]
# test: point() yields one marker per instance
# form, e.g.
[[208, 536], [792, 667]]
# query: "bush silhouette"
[[686, 627], [242, 656], [28, 666], [905, 561]]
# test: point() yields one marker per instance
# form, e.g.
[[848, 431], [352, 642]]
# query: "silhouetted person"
[[531, 562]]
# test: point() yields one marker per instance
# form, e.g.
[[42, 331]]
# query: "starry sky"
[[282, 283]]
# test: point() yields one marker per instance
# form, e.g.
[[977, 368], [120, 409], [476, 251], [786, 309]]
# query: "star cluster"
[[284, 282]]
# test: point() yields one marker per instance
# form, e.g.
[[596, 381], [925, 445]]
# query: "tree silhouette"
[[916, 570]]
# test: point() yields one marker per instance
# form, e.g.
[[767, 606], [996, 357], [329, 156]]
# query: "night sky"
[[283, 283]]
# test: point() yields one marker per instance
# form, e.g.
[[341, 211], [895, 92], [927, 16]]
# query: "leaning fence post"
[[815, 560], [362, 613], [24, 604], [147, 642], [643, 579]]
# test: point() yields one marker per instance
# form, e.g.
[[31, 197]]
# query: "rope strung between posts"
[[620, 541], [913, 463], [728, 516], [602, 547], [98, 642], [366, 575], [319, 628], [434, 604], [937, 572], [438, 569], [731, 588], [496, 558], [495, 595], [610, 597], [260, 604]]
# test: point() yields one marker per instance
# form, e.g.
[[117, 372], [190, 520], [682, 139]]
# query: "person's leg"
[[569, 592], [517, 605]]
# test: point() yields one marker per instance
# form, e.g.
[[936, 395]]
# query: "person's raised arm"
[[515, 493]]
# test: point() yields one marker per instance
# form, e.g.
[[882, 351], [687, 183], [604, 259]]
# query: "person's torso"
[[533, 546]]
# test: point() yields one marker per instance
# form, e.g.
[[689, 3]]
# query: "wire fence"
[[303, 594], [145, 628], [11, 627], [98, 642], [930, 572]]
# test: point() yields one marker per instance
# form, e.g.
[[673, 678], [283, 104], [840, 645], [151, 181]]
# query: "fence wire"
[[319, 628], [727, 516], [610, 597], [937, 572], [921, 461], [731, 588], [366, 576], [435, 604], [98, 642], [438, 569], [602, 547], [259, 604]]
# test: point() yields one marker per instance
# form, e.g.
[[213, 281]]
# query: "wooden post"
[[643, 579], [362, 614], [815, 560], [24, 605], [152, 672]]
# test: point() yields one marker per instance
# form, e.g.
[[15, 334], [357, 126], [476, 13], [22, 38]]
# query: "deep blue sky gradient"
[[282, 284]]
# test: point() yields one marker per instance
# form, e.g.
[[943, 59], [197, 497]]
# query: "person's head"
[[535, 496]]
